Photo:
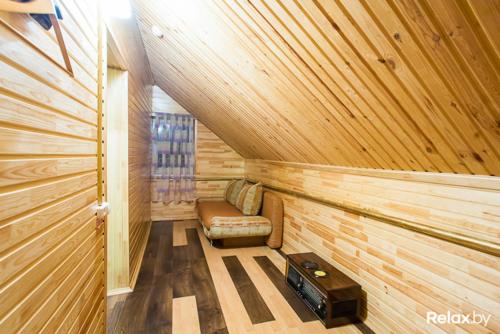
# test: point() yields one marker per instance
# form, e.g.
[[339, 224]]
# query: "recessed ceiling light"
[[157, 31]]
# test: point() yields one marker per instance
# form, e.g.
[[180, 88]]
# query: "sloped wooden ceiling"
[[396, 84]]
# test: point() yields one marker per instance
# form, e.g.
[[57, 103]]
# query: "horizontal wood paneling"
[[174, 211], [405, 274], [466, 211], [49, 72], [401, 85], [49, 246], [19, 201], [27, 142], [39, 93], [211, 189], [15, 171], [30, 32], [28, 226], [71, 274], [216, 163], [214, 158], [28, 116]]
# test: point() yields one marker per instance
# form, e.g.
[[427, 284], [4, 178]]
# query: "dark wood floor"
[[252, 300], [167, 272], [249, 294]]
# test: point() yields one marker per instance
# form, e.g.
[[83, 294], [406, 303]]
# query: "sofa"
[[234, 224]]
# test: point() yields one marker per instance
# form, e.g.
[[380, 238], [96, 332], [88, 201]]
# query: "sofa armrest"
[[272, 209]]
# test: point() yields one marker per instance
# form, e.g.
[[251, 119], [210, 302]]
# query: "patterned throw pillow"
[[253, 200], [235, 191], [229, 189], [241, 196]]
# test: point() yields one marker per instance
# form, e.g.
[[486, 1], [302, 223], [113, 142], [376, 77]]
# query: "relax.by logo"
[[473, 318]]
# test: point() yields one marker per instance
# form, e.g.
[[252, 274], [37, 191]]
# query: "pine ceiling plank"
[[409, 67], [194, 89], [322, 115], [268, 101], [195, 99], [310, 50], [344, 113], [381, 57], [459, 118], [356, 84], [346, 137], [199, 101], [198, 109], [281, 125], [209, 82], [469, 43], [388, 105], [486, 14], [237, 124], [382, 127], [468, 94]]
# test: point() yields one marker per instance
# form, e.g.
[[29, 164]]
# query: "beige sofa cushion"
[[230, 222], [209, 209], [243, 226]]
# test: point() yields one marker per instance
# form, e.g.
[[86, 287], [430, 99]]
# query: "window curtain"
[[173, 158]]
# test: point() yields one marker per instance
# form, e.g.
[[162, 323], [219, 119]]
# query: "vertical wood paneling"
[[216, 164], [117, 184], [129, 44], [51, 255], [405, 274]]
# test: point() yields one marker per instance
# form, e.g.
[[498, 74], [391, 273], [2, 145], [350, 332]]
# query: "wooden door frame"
[[107, 48], [101, 79], [116, 177]]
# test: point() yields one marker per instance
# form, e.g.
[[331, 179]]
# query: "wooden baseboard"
[[135, 274]]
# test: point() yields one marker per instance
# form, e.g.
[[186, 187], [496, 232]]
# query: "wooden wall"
[[402, 85], [51, 254], [129, 43], [117, 185], [216, 164], [163, 103], [404, 273]]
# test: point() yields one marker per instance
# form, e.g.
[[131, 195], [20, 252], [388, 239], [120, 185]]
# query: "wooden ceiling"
[[395, 84]]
